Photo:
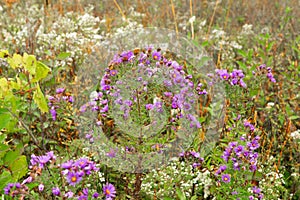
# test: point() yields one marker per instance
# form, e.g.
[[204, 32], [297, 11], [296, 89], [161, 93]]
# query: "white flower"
[[296, 134], [192, 19]]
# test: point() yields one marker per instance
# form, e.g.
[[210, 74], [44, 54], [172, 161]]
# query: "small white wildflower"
[[270, 105], [296, 134], [247, 29], [192, 19]]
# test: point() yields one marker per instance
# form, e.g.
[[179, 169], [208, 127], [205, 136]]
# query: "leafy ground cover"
[[214, 115]]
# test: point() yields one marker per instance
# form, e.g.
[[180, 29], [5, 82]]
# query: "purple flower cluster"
[[263, 69], [15, 189], [37, 163], [234, 78], [147, 64], [76, 170], [57, 99], [247, 124], [41, 161], [193, 157], [242, 157]]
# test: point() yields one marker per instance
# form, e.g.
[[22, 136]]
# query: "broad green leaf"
[[30, 63], [41, 71], [5, 178], [11, 157], [19, 167], [40, 100], [3, 149], [4, 120], [63, 55]]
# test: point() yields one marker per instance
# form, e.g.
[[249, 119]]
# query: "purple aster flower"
[[234, 192], [113, 72], [186, 106], [112, 153], [53, 113], [242, 83], [67, 165], [104, 109], [168, 94], [256, 190], [195, 165], [181, 154], [149, 106], [239, 150], [56, 191], [253, 145], [95, 195], [236, 166], [232, 144], [128, 102], [83, 108], [27, 180], [262, 66], [73, 178], [226, 178], [60, 90], [41, 187], [253, 168], [223, 168], [223, 74], [109, 191], [8, 187], [82, 162], [195, 154], [251, 197], [156, 55], [71, 99]]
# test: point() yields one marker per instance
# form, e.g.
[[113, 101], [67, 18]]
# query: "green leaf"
[[180, 194], [41, 71], [19, 167], [294, 117], [40, 100], [5, 178], [194, 197], [63, 55], [30, 63], [4, 120], [10, 157], [3, 149]]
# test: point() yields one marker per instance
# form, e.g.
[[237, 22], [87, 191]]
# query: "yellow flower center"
[[74, 179], [155, 57], [107, 191], [225, 77], [225, 178]]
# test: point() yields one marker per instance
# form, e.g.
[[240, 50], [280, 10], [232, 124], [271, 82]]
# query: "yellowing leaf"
[[15, 61], [3, 53], [19, 167], [30, 63], [41, 71], [4, 87], [40, 100]]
